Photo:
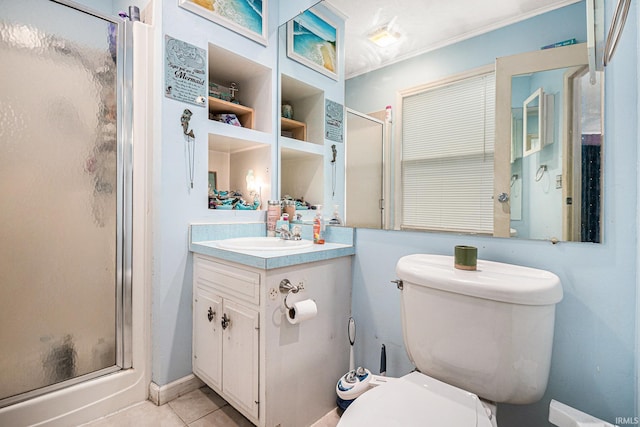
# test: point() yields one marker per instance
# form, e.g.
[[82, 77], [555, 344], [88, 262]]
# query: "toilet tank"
[[488, 331]]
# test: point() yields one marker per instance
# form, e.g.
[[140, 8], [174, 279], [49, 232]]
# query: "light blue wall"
[[176, 205], [594, 358]]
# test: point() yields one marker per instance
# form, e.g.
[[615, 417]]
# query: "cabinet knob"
[[211, 314], [225, 321]]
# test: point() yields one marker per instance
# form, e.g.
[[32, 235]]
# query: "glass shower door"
[[63, 255]]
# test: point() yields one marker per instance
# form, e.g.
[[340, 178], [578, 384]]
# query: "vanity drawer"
[[232, 281]]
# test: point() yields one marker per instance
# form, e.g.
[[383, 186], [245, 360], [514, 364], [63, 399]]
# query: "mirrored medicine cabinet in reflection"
[[547, 180]]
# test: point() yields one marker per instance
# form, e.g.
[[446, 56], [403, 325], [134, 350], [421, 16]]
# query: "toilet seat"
[[416, 400]]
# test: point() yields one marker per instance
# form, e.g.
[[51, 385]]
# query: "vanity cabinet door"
[[240, 355], [207, 337]]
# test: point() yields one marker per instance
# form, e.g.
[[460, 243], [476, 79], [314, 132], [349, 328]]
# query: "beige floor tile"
[[196, 404], [227, 416], [145, 414], [200, 408]]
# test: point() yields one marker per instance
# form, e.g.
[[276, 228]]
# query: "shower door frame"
[[124, 215]]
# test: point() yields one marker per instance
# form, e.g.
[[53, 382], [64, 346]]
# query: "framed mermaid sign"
[[313, 40], [246, 17]]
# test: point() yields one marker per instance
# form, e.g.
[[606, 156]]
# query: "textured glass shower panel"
[[58, 182]]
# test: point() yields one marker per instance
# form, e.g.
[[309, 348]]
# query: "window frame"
[[396, 177]]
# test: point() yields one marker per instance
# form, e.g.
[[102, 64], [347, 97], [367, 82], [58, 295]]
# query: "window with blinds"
[[447, 156]]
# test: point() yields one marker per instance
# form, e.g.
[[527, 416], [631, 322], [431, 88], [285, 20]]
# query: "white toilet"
[[477, 338]]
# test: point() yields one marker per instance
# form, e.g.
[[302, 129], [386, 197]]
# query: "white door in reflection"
[[364, 170]]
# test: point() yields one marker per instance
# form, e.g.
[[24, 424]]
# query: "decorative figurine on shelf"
[[233, 89], [243, 205], [226, 203], [287, 110], [220, 194]]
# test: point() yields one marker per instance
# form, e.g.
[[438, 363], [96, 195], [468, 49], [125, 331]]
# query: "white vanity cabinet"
[[275, 373], [226, 326]]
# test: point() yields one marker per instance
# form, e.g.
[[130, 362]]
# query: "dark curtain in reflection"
[[591, 187]]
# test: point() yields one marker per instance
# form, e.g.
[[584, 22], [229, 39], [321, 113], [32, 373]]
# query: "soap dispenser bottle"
[[318, 227]]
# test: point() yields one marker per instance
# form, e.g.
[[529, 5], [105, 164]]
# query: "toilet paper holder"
[[286, 287]]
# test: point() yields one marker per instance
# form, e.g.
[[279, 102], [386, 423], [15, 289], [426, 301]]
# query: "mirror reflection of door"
[[364, 170], [556, 192], [582, 209]]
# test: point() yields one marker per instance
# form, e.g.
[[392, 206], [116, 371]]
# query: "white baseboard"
[[166, 393]]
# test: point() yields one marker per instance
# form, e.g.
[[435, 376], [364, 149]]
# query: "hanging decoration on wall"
[[334, 121], [312, 40], [245, 17], [334, 154], [191, 142], [185, 72]]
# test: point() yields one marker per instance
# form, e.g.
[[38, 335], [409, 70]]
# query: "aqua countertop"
[[268, 260], [201, 243]]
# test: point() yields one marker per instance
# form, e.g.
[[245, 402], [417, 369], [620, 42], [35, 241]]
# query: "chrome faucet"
[[286, 234]]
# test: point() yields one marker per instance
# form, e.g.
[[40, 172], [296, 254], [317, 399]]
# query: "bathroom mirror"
[[534, 122], [557, 162], [290, 9]]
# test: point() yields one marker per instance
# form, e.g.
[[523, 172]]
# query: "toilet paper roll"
[[301, 311]]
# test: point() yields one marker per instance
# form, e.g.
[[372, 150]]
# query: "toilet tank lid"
[[492, 280]]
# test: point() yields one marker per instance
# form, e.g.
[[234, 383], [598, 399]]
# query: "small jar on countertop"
[[290, 209], [273, 214]]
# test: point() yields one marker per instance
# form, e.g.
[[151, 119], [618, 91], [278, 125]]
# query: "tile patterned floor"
[[200, 408]]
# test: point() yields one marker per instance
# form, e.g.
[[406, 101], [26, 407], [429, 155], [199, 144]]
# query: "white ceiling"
[[425, 25]]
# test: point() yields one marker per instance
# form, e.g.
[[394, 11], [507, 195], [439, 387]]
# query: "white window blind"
[[447, 156]]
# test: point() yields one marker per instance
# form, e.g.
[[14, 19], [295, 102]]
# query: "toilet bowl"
[[417, 400]]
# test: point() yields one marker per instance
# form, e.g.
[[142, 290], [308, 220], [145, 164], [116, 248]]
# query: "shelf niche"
[[302, 176], [308, 110], [231, 158], [254, 83]]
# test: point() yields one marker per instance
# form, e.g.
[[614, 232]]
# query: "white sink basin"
[[263, 244]]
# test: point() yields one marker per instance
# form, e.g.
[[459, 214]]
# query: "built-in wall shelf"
[[240, 157], [307, 103], [298, 129], [244, 114], [290, 146], [252, 83], [302, 172], [231, 144], [302, 158], [239, 133]]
